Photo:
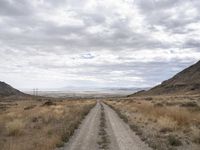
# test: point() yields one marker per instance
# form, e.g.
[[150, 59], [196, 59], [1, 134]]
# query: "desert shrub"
[[197, 138], [148, 98], [134, 127], [189, 104], [174, 141], [196, 135], [30, 107], [158, 105], [48, 103]]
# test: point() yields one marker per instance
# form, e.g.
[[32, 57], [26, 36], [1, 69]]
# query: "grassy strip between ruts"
[[103, 136]]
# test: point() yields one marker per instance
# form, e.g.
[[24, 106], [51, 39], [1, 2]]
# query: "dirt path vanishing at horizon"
[[102, 129]]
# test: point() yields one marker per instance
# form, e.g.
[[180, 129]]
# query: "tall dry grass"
[[172, 116], [41, 127], [15, 127], [162, 122]]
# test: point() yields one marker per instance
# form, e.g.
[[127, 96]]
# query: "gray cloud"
[[15, 8], [96, 43]]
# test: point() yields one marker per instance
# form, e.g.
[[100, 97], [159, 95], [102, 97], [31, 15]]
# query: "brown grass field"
[[164, 122], [33, 125]]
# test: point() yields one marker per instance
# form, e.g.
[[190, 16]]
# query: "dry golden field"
[[36, 125], [164, 122]]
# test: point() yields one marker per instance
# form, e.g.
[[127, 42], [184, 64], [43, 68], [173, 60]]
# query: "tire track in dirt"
[[125, 137]]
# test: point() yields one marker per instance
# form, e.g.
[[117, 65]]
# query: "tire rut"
[[125, 137], [86, 137]]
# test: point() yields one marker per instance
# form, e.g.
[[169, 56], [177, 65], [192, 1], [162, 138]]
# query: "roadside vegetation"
[[104, 140], [39, 125], [164, 122]]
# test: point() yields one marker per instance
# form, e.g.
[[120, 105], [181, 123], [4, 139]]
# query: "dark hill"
[[7, 90], [185, 82]]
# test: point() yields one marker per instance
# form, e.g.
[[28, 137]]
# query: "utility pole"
[[35, 91]]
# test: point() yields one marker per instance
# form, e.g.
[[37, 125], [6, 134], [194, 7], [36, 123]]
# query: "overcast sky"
[[96, 43]]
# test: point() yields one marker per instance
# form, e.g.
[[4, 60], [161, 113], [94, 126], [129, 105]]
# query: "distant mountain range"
[[7, 90], [185, 82]]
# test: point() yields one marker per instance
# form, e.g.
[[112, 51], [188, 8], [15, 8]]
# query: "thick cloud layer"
[[96, 43]]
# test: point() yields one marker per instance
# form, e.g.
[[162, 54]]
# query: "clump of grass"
[[148, 98], [15, 127], [196, 135], [197, 138], [30, 107], [174, 141], [159, 105], [182, 116], [190, 104], [60, 144], [167, 124]]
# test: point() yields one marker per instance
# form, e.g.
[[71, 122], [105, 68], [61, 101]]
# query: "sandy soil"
[[125, 137], [86, 137], [120, 136]]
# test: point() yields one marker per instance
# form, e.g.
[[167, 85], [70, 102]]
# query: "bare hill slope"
[[7, 90], [187, 82]]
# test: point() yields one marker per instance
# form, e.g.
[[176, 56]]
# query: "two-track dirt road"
[[114, 135]]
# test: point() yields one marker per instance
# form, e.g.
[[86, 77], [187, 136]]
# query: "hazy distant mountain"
[[187, 82], [7, 90]]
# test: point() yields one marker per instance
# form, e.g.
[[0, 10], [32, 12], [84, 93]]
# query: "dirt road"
[[102, 129]]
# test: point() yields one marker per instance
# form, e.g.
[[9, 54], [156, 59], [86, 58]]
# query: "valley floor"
[[129, 123]]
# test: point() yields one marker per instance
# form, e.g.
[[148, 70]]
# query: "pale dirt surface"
[[86, 137], [125, 137], [121, 137]]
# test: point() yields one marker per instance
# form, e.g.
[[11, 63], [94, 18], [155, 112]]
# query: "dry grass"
[[169, 115], [179, 115], [158, 117], [15, 127], [196, 134], [41, 127]]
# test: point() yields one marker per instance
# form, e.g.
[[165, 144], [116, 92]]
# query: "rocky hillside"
[[7, 90], [185, 82]]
